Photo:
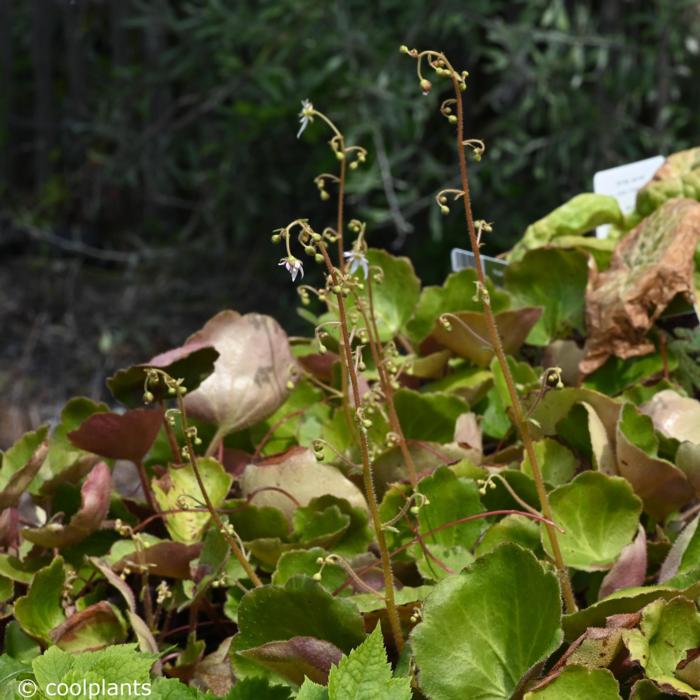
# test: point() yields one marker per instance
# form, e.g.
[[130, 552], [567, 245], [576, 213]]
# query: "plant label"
[[623, 182], [493, 267]]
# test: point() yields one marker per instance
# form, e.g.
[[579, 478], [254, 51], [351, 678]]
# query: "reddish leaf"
[[119, 436], [320, 366], [96, 627], [629, 570], [9, 527], [297, 657], [18, 482], [192, 362], [214, 671], [167, 559], [95, 495]]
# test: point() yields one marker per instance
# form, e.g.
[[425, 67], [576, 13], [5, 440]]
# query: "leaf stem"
[[145, 487]]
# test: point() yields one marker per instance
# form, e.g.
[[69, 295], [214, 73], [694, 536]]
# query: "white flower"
[[293, 266], [356, 258], [305, 116]]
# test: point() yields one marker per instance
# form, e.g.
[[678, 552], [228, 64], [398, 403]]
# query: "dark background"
[[147, 150]]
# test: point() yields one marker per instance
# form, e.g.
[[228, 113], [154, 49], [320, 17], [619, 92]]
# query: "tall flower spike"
[[305, 116], [293, 266]]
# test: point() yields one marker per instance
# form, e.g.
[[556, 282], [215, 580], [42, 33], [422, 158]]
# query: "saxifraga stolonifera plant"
[[347, 292]]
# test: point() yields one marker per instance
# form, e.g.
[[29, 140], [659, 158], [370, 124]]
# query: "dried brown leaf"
[[650, 266]]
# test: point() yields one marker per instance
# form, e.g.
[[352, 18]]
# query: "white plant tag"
[[623, 183], [493, 267]]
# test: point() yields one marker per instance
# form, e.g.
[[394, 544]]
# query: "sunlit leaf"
[[599, 515], [501, 616]]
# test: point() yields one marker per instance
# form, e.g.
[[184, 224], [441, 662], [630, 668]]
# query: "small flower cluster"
[[439, 63], [156, 379]]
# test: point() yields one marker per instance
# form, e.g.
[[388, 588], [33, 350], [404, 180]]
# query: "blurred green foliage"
[[185, 130]]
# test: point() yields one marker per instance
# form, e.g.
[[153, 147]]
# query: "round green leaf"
[[513, 528], [556, 280], [557, 463], [449, 498], [599, 514], [485, 627], [579, 683], [40, 610], [428, 416], [180, 484], [395, 297], [302, 608], [668, 631]]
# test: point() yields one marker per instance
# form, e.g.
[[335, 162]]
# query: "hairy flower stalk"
[[358, 255], [189, 453], [221, 526], [367, 475], [316, 244], [442, 67], [377, 351]]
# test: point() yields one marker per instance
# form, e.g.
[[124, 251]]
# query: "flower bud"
[[310, 250], [425, 86], [444, 210], [324, 195], [452, 119], [276, 238], [148, 397], [403, 48], [318, 258]]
